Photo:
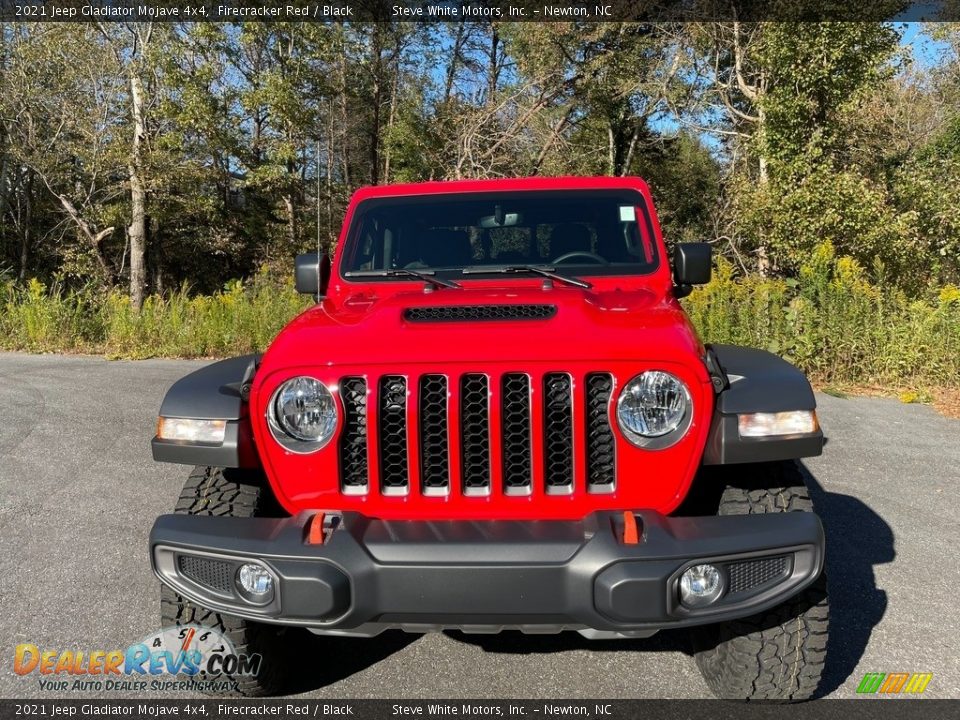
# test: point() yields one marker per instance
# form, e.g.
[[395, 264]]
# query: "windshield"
[[595, 232]]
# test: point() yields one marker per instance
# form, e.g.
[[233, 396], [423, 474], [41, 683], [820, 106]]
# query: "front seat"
[[568, 238], [445, 248]]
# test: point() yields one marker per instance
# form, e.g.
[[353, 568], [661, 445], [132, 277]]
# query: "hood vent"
[[479, 313]]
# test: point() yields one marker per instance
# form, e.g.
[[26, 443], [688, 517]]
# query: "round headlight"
[[653, 405], [302, 414]]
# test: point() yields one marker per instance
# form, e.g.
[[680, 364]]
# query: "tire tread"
[[778, 654]]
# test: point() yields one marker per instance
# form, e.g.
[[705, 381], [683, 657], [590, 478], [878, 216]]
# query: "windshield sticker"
[[628, 213]]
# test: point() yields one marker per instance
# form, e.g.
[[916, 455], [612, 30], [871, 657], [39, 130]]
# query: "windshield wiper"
[[426, 275], [542, 270]]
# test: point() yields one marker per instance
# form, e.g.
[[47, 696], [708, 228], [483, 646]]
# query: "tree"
[[59, 110]]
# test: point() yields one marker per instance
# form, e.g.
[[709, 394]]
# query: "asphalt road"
[[79, 491]]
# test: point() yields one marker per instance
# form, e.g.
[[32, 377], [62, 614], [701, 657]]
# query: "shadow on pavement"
[[349, 655], [857, 539]]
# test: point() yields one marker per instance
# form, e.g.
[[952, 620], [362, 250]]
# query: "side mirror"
[[312, 274], [691, 266]]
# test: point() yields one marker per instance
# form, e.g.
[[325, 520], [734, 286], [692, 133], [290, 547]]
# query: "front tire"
[[778, 654], [232, 493]]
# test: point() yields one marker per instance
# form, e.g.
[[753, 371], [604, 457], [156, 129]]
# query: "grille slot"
[[434, 450], [353, 440], [601, 457], [475, 433], [751, 574], [392, 435], [558, 433], [475, 313], [215, 574], [515, 432]]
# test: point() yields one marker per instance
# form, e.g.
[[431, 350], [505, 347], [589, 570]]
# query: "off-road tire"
[[232, 493], [778, 654]]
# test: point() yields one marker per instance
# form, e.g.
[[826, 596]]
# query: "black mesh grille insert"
[[434, 452], [475, 432], [210, 573], [600, 444], [750, 574], [515, 429], [392, 433], [469, 313], [558, 431], [353, 439]]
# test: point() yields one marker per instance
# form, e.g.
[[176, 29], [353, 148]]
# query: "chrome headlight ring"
[[654, 410], [303, 415]]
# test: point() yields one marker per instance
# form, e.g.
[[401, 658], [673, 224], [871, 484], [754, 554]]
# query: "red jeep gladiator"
[[498, 417]]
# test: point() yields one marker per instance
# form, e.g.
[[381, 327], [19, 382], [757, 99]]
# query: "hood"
[[497, 323]]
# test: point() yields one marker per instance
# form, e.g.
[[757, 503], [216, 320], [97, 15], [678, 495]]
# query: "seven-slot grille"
[[434, 434]]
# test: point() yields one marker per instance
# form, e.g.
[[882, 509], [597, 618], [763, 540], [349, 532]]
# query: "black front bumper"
[[526, 574]]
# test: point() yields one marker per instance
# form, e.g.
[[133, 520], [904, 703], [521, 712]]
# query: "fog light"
[[255, 580], [700, 585]]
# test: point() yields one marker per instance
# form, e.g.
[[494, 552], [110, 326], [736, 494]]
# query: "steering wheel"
[[580, 253]]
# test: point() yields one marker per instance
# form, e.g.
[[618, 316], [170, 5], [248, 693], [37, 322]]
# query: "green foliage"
[[818, 73], [240, 318], [835, 324], [841, 206], [685, 181], [831, 321]]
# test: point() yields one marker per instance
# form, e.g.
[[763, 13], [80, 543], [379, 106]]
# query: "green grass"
[[836, 325], [832, 322], [239, 319]]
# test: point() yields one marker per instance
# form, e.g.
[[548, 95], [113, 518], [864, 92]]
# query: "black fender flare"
[[756, 381], [217, 391]]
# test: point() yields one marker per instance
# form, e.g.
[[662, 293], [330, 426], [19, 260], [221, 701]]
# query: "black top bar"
[[426, 11]]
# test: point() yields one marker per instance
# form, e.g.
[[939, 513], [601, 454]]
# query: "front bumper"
[[533, 575]]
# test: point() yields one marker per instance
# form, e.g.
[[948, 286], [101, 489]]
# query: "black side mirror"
[[691, 266], [312, 274]]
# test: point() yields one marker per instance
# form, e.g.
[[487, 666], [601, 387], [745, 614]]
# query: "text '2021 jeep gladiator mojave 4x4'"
[[498, 416]]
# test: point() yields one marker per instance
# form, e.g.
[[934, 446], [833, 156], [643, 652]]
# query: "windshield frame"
[[630, 195]]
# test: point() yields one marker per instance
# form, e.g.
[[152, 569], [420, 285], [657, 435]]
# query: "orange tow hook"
[[315, 530], [630, 534]]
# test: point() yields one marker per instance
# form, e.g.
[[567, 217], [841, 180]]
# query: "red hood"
[[594, 324]]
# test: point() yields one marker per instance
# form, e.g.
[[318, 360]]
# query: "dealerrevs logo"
[[894, 683], [201, 657]]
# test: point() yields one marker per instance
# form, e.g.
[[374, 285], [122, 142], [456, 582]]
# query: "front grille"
[[751, 574], [515, 433], [553, 429], [215, 574], [434, 452], [558, 432], [472, 313], [392, 434], [601, 447], [475, 433], [353, 439]]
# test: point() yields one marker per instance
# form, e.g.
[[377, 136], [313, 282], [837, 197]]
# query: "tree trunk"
[[493, 72], [344, 116], [329, 169], [27, 225], [290, 206], [137, 230], [455, 54], [763, 178], [391, 116], [377, 100]]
